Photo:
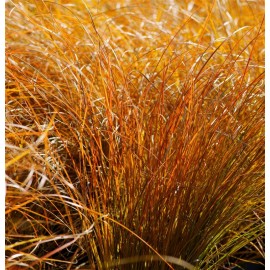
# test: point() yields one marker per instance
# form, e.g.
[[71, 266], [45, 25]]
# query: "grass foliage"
[[134, 134]]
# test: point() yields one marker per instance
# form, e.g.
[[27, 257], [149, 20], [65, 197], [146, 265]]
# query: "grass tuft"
[[134, 134]]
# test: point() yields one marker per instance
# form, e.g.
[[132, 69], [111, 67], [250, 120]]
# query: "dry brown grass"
[[134, 134]]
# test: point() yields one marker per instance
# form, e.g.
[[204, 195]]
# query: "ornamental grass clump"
[[134, 134]]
